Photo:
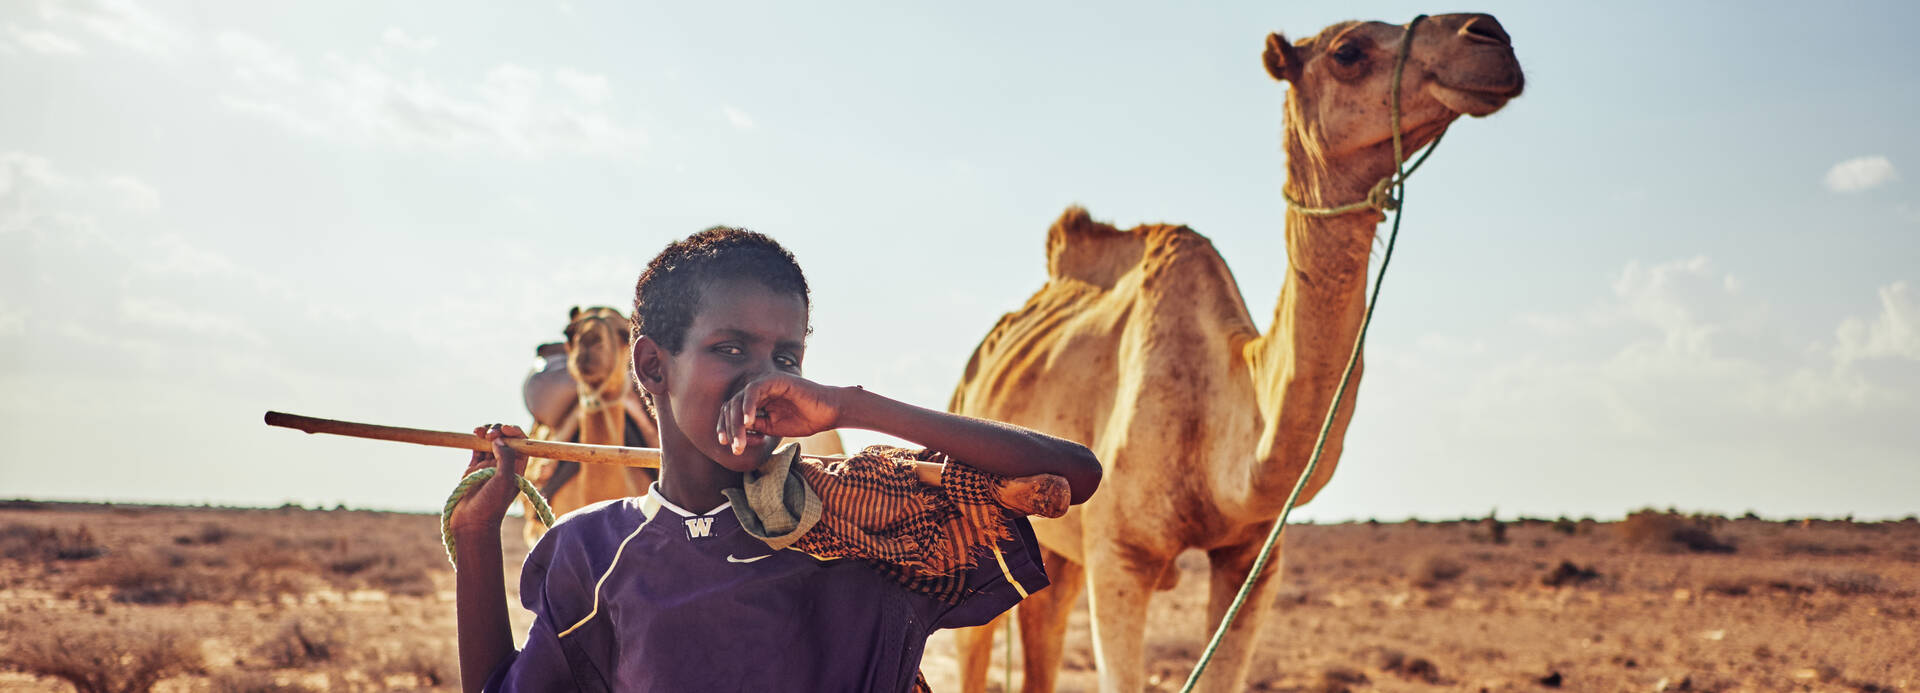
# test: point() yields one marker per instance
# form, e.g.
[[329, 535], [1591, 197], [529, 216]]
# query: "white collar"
[[655, 500]]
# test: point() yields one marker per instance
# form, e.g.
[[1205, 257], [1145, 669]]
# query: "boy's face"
[[741, 329]]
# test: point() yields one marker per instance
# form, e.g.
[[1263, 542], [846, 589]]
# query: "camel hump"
[[1079, 247]]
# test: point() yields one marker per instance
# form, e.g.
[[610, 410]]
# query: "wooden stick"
[[595, 454]]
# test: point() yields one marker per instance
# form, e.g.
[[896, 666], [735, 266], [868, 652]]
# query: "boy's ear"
[[649, 365], [1283, 62]]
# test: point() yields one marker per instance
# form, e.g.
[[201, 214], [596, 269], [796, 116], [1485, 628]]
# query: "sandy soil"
[[341, 600]]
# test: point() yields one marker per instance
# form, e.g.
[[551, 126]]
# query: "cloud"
[[738, 117], [119, 22], [152, 313], [133, 193], [13, 320], [400, 39], [1893, 334], [42, 41], [1862, 173], [255, 61], [382, 98], [589, 88], [1674, 349]]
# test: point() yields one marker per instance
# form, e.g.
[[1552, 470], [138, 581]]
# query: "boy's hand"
[[483, 508], [778, 404]]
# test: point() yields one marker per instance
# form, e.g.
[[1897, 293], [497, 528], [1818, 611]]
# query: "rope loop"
[[1380, 196], [473, 481]]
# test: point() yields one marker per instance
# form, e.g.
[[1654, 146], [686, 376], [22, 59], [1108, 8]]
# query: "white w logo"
[[699, 527]]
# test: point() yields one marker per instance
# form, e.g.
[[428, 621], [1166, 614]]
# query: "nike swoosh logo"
[[731, 559]]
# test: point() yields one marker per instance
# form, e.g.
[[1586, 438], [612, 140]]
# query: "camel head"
[[1338, 106], [597, 341]]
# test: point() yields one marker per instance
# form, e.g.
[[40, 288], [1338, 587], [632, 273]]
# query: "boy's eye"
[[787, 362], [729, 350]]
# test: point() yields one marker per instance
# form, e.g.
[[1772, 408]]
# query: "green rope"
[[473, 481], [1395, 183]]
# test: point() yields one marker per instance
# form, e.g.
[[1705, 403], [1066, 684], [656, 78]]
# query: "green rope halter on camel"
[[473, 481], [1387, 195]]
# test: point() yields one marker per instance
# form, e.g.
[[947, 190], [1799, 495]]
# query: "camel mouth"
[[1472, 101]]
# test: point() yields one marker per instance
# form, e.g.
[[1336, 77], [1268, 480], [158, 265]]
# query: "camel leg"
[[1117, 593], [1043, 622], [976, 653], [1228, 670]]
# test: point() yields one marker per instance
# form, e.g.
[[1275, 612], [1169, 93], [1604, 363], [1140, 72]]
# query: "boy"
[[643, 594]]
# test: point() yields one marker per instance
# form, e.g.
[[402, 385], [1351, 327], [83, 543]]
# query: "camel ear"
[[573, 313], [1283, 62]]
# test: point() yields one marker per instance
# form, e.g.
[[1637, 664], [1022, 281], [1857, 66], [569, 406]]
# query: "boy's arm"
[[989, 446], [480, 602], [486, 637], [788, 405]]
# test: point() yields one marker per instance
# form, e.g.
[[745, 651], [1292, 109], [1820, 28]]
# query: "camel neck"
[[1297, 364], [602, 417]]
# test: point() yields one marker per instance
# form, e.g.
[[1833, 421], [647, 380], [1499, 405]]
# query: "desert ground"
[[117, 597]]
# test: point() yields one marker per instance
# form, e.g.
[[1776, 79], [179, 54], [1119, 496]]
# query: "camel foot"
[[1046, 495]]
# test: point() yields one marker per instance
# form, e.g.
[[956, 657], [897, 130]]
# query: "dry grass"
[[289, 599], [99, 655], [283, 599], [29, 542]]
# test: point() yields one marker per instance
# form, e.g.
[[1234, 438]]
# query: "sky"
[[1682, 270]]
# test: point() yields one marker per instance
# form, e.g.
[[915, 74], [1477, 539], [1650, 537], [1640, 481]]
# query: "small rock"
[[1552, 680]]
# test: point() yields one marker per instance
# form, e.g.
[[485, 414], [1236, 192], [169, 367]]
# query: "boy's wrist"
[[475, 530], [856, 408]]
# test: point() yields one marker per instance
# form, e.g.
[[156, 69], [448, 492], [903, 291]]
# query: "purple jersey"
[[637, 594]]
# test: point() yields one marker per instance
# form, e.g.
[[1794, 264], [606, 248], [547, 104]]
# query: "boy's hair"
[[668, 293]]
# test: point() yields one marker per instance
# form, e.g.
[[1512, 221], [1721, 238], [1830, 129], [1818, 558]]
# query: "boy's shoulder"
[[587, 531]]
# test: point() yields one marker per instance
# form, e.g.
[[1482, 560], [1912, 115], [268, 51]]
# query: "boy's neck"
[[688, 478]]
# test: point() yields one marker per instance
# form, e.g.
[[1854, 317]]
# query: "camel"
[[606, 410], [1141, 347]]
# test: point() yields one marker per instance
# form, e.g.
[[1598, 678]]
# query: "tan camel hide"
[[1141, 347]]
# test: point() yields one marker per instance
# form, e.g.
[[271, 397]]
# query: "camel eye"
[[1348, 54]]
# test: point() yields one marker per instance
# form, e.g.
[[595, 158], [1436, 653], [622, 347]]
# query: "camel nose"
[[1485, 29]]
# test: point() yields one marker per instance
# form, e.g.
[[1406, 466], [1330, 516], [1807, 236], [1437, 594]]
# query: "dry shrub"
[[209, 533], [1340, 680], [1569, 574], [24, 542], [1851, 582], [429, 665], [99, 655], [382, 570], [302, 642], [1809, 548], [247, 681], [1668, 530], [150, 578], [1437, 570], [1408, 667], [1731, 587], [170, 577]]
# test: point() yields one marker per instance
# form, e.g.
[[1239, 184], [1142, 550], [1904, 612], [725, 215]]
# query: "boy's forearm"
[[990, 446], [486, 637]]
